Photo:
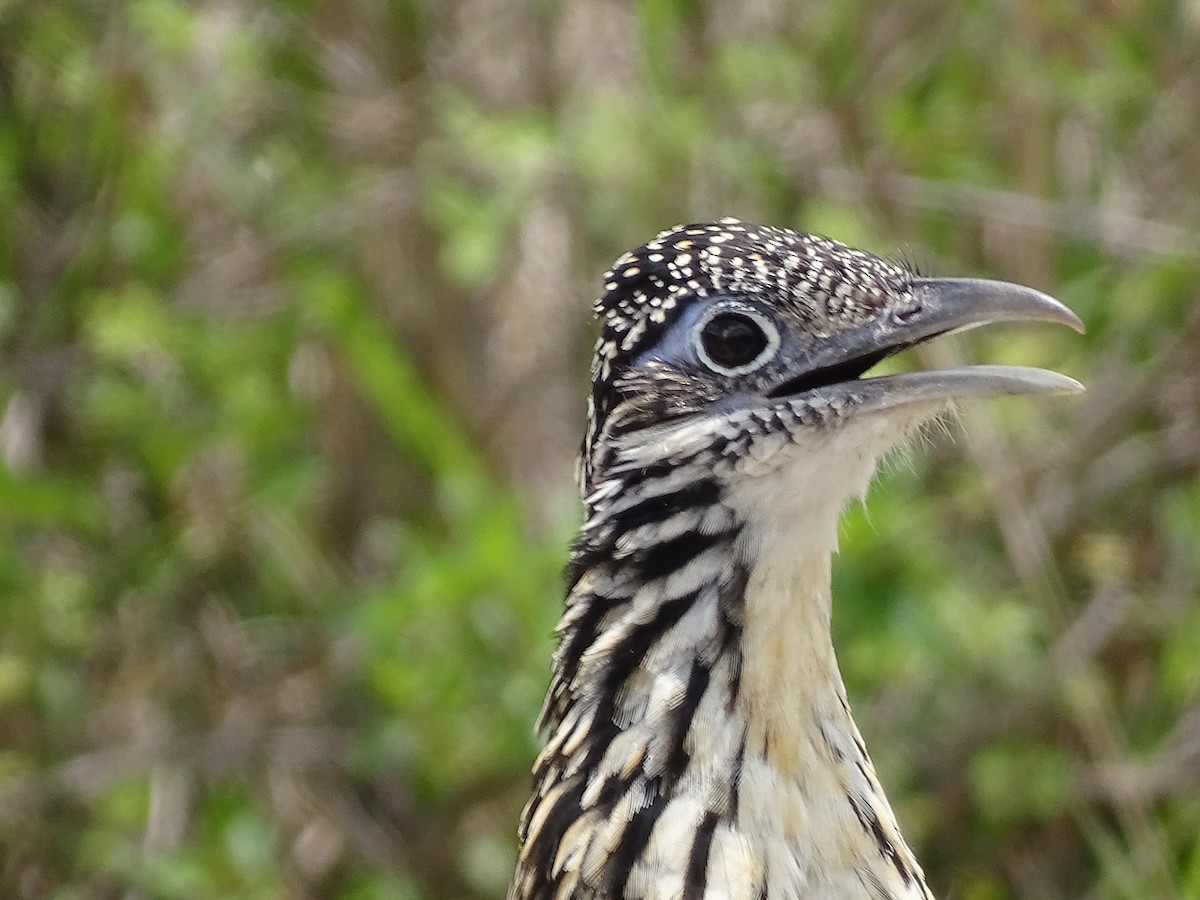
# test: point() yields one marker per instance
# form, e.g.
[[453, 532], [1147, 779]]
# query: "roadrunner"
[[700, 740]]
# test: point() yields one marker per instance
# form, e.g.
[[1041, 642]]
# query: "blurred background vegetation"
[[293, 345]]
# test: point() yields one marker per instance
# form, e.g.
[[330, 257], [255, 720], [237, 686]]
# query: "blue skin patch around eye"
[[677, 346]]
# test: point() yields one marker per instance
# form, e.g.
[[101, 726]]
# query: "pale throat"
[[790, 676], [791, 504], [807, 781]]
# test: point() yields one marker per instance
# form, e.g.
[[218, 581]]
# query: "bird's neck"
[[701, 743], [809, 789]]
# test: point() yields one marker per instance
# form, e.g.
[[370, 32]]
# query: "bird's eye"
[[736, 342]]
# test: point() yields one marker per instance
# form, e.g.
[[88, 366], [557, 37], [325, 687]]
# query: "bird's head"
[[730, 341]]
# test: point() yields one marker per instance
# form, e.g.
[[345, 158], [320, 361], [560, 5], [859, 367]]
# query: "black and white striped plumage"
[[700, 740]]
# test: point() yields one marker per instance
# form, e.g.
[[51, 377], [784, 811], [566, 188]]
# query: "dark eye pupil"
[[732, 340]]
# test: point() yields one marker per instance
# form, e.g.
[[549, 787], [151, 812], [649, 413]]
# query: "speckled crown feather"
[[825, 284]]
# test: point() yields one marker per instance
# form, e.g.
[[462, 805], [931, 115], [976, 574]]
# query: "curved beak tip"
[[1071, 386], [1073, 321]]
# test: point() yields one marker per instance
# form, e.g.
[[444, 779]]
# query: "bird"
[[699, 740]]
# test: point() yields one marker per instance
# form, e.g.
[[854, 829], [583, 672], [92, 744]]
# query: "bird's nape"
[[700, 742]]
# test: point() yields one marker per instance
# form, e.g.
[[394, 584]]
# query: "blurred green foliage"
[[294, 337]]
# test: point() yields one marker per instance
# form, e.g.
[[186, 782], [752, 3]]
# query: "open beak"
[[936, 306]]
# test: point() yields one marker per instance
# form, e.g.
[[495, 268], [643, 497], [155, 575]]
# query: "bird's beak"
[[936, 306]]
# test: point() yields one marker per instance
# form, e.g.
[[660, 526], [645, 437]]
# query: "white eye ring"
[[769, 336]]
